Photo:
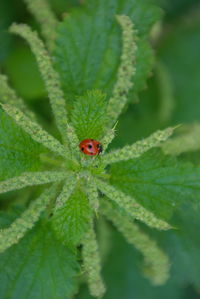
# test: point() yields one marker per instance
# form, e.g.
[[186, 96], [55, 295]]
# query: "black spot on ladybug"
[[82, 148], [90, 146], [92, 139]]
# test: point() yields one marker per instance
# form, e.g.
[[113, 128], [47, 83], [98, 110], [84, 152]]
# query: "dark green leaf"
[[28, 84], [183, 246], [180, 52], [72, 220], [89, 115], [38, 267], [6, 16], [18, 152], [158, 182], [89, 45]]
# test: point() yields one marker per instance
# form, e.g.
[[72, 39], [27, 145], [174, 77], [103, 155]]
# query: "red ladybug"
[[90, 147]]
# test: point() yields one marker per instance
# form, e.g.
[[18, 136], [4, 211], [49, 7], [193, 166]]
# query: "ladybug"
[[90, 147]]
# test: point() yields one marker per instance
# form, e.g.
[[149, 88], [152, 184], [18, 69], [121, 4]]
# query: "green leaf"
[[183, 246], [38, 267], [18, 152], [156, 262], [183, 42], [124, 279], [6, 16], [89, 45], [71, 221], [89, 115], [158, 182], [18, 65]]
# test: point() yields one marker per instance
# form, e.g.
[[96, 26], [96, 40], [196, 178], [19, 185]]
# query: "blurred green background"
[[175, 82]]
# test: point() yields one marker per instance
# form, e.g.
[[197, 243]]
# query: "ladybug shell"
[[90, 147]]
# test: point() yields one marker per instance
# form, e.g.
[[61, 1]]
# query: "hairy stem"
[[45, 17], [131, 207], [68, 188], [126, 70], [92, 265], [50, 77], [30, 179], [138, 148], [188, 140]]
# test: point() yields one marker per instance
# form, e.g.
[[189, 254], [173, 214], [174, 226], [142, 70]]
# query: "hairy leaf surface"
[[89, 45], [37, 267], [71, 221], [89, 115], [158, 182]]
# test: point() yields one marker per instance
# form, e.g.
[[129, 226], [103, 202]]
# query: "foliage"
[[28, 271], [98, 60]]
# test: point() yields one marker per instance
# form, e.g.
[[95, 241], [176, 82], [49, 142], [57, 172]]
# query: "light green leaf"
[[38, 267], [18, 152], [89, 115], [157, 182], [89, 45], [71, 221]]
